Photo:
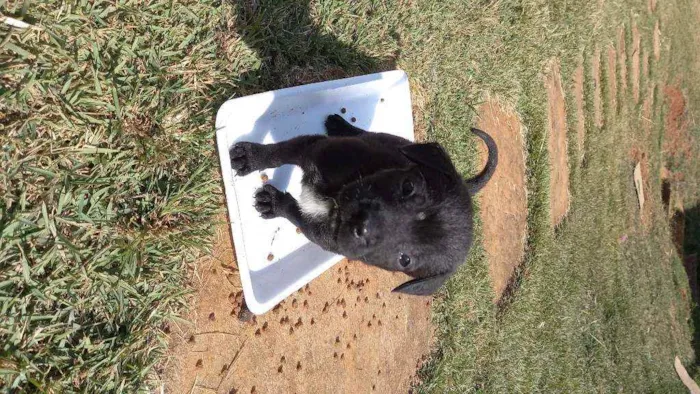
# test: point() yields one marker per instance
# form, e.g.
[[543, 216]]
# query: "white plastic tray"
[[273, 259]]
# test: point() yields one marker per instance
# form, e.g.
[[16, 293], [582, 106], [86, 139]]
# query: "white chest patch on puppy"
[[312, 205]]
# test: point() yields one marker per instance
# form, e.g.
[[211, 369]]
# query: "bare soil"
[[657, 42], [677, 144], [558, 153], [578, 81], [343, 333], [503, 201]]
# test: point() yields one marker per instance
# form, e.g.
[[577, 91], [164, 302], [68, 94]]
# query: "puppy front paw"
[[244, 158], [336, 126], [270, 202]]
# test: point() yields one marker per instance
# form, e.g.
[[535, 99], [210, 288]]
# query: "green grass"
[[109, 180], [107, 155], [592, 313]]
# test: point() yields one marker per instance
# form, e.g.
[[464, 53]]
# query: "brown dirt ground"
[[634, 75], [558, 153], [657, 42], [677, 143], [622, 61], [597, 92], [504, 199], [343, 333], [612, 79], [580, 112]]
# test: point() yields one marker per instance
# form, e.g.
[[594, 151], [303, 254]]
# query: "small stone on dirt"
[[245, 315]]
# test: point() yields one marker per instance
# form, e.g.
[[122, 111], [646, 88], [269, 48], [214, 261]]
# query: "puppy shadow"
[[293, 51], [685, 233]]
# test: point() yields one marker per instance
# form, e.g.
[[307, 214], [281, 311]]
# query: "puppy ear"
[[430, 155], [435, 165], [422, 286]]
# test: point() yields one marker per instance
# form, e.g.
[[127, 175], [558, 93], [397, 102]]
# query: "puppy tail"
[[478, 182]]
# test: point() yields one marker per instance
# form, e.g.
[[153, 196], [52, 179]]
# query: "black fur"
[[391, 203]]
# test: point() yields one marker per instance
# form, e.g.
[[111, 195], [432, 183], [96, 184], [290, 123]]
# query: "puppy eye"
[[407, 188], [404, 260]]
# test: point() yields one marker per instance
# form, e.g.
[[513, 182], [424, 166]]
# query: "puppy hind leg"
[[336, 126]]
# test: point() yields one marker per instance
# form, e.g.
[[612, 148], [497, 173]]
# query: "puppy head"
[[416, 219]]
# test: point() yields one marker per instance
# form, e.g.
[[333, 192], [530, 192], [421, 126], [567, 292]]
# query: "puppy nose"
[[361, 229]]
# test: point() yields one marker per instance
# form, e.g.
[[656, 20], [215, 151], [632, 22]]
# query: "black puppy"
[[374, 197]]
